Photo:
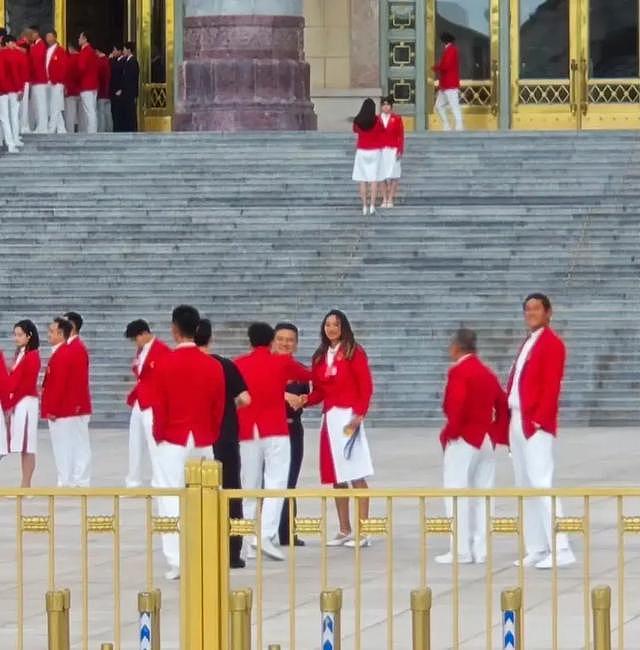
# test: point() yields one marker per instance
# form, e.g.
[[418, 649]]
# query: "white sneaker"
[[271, 551], [479, 559], [565, 557], [365, 541], [340, 539], [365, 210], [372, 209], [173, 573], [447, 558], [13, 149], [531, 559]]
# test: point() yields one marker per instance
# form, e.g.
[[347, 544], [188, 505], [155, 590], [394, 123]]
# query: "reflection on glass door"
[[475, 24]]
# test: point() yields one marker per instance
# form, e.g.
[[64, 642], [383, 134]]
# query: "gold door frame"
[[479, 99]]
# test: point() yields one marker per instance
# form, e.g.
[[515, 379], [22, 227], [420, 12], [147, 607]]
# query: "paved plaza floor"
[[403, 459]]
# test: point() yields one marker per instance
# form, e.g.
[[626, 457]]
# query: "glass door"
[[475, 26]]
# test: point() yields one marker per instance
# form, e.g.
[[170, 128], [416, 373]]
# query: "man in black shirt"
[[227, 448], [286, 342]]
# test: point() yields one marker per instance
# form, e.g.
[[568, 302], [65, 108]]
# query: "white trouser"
[[140, 438], [265, 461], [88, 122], [533, 468], [170, 463], [40, 107], [71, 113], [465, 466], [62, 442], [105, 121], [56, 107], [452, 99], [14, 116], [25, 115], [5, 123], [72, 450]]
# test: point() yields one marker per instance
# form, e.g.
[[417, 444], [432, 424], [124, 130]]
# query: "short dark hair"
[[85, 33], [388, 99], [285, 325], [204, 333], [117, 46], [466, 339], [9, 38], [52, 31], [64, 325], [447, 37], [186, 318], [75, 319], [30, 329], [544, 299], [260, 335], [130, 45], [136, 327], [35, 28]]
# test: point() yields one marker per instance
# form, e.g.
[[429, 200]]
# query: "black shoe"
[[296, 542], [237, 563]]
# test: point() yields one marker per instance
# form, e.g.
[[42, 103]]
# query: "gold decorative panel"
[[476, 94], [614, 93], [631, 524], [505, 525], [570, 524], [545, 93], [166, 524], [36, 524], [307, 526], [438, 525], [155, 96], [402, 15], [402, 53], [403, 90], [100, 524], [374, 526], [242, 527]]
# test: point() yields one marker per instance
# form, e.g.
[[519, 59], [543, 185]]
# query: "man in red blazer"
[[38, 79], [265, 448], [56, 76], [54, 406], [89, 84], [187, 409], [534, 393], [149, 352], [6, 87], [448, 71], [78, 396], [477, 419], [19, 78]]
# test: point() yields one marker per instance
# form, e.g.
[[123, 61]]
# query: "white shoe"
[[19, 143], [365, 210], [340, 539], [372, 209], [565, 557], [173, 573], [365, 541], [479, 559], [531, 559], [390, 204], [270, 550], [447, 558], [13, 149]]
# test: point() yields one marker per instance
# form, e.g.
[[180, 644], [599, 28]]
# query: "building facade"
[[298, 64]]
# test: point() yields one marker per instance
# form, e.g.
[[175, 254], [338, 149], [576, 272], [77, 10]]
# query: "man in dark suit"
[[129, 88], [116, 58]]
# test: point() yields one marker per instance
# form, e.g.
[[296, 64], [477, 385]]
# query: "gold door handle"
[[573, 100], [495, 87], [584, 103]]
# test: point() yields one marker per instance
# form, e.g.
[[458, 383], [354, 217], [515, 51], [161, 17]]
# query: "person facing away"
[[475, 408], [38, 79], [367, 162], [448, 71], [129, 81], [72, 90], [116, 59]]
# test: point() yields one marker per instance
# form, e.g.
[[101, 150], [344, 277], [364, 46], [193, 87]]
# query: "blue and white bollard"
[[330, 606], [147, 611], [511, 602]]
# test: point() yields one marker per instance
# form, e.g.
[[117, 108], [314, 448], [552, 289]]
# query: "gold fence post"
[[155, 619], [56, 620], [601, 605], [330, 606], [66, 638], [247, 618], [274, 647], [106, 646], [421, 618], [511, 603], [238, 607]]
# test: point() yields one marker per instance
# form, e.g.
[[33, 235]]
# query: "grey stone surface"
[[243, 7]]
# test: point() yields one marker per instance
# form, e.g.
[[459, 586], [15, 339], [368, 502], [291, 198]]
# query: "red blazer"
[[55, 384], [38, 62], [72, 75], [448, 68], [143, 391], [6, 74], [347, 385], [104, 77], [88, 69], [56, 71], [540, 384], [19, 68], [393, 133], [21, 381], [267, 375], [474, 405], [371, 139], [190, 397], [78, 393]]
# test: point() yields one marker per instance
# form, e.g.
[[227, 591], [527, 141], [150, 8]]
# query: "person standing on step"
[[26, 108], [38, 80], [79, 402], [226, 449], [56, 76], [392, 150], [534, 388], [187, 416], [88, 70], [130, 80], [72, 90], [448, 71], [116, 60], [54, 406], [286, 342], [342, 382], [21, 399], [149, 353], [368, 161], [265, 449], [6, 87], [105, 122], [19, 70], [475, 407]]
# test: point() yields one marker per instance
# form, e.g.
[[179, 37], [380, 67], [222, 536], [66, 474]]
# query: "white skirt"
[[367, 165], [391, 165], [358, 465], [23, 428]]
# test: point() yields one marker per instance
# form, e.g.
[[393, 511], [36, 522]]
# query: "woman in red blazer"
[[342, 383], [392, 150], [20, 399], [367, 164]]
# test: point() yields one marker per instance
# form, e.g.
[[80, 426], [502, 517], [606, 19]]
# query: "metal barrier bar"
[[106, 646], [330, 606], [56, 614], [601, 604], [247, 618], [149, 619], [66, 638], [511, 603], [421, 618], [238, 608], [274, 647]]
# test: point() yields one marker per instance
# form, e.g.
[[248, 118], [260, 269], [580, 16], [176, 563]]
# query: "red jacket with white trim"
[[393, 133], [22, 380], [88, 68], [57, 379], [144, 390], [448, 68], [78, 393], [38, 62], [57, 68]]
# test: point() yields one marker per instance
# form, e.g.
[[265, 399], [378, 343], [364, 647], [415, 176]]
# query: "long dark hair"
[[366, 118], [347, 338], [30, 329]]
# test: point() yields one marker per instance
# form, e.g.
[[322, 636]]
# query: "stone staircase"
[[267, 226]]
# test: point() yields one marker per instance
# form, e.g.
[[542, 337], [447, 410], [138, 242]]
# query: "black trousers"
[[296, 436], [228, 453], [116, 113], [129, 115]]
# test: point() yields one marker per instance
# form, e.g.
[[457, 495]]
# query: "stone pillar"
[[244, 67]]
